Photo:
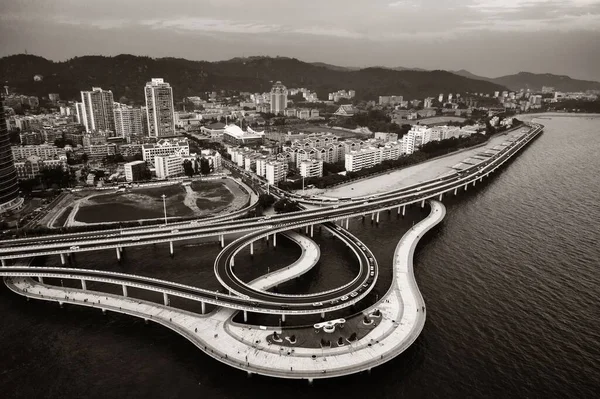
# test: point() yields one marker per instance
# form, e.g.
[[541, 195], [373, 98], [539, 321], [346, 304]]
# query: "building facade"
[[275, 171], [9, 188], [168, 166], [134, 171], [159, 108], [165, 147], [128, 121], [279, 95], [311, 168], [97, 110]]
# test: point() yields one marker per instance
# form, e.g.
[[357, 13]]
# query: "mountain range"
[[126, 76], [535, 81]]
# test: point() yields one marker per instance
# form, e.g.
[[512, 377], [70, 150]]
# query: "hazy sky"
[[486, 37]]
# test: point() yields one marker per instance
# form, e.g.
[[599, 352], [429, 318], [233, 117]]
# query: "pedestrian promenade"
[[245, 347]]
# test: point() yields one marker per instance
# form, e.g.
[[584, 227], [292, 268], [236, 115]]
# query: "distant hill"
[[126, 76], [535, 81]]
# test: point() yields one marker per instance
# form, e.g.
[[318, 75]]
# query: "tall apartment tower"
[[159, 108], [279, 95], [9, 188], [97, 110], [128, 121]]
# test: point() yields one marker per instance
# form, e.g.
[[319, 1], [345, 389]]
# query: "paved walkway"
[[246, 347]]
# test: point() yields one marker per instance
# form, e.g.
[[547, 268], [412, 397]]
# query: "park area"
[[195, 199]]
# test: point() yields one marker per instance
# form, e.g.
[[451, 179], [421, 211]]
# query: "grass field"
[[205, 197], [60, 221]]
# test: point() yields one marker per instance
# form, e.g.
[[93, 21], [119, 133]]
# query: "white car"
[[74, 247]]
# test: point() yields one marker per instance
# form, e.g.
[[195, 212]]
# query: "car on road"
[[74, 247], [317, 304], [344, 298], [285, 306], [174, 231], [335, 301], [354, 294], [372, 273]]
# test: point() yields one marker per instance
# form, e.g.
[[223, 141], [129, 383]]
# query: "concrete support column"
[[83, 285], [41, 279], [62, 259], [222, 238], [372, 217], [347, 223], [441, 196], [203, 305], [377, 221], [403, 210], [118, 253], [283, 317], [474, 181], [306, 230], [232, 261], [166, 299], [274, 240], [171, 247], [399, 210], [322, 315], [3, 262], [124, 290], [423, 204], [456, 191], [466, 186], [245, 316], [252, 248], [312, 230]]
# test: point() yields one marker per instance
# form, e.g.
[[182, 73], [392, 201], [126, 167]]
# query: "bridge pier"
[[377, 221], [322, 315], [245, 316], [171, 248], [456, 191], [310, 381], [306, 230], [62, 259], [347, 223], [283, 318], [222, 239], [41, 279], [403, 210], [124, 290], [441, 196], [474, 181], [203, 305], [166, 299], [3, 262], [83, 285], [312, 230], [252, 248], [104, 312], [372, 217], [423, 204], [118, 253], [466, 186]]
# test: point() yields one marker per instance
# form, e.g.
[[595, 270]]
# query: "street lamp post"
[[164, 198]]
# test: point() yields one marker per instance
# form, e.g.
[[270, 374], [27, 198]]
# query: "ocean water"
[[511, 279]]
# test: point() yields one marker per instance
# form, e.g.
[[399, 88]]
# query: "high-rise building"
[[278, 98], [275, 171], [159, 108], [128, 121], [134, 171], [9, 188], [97, 109]]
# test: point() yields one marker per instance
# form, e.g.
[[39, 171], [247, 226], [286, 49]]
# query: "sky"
[[486, 37]]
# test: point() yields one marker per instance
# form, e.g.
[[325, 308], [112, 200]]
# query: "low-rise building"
[[43, 151], [276, 171], [135, 171], [233, 134], [32, 166], [165, 147], [311, 168], [168, 166]]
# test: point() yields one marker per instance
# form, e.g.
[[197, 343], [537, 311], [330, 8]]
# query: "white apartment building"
[[128, 121], [133, 170], [43, 151], [168, 166], [371, 156], [159, 108], [276, 171], [97, 110], [311, 168], [279, 95], [164, 147]]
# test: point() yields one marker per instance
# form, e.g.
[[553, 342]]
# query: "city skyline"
[[487, 37]]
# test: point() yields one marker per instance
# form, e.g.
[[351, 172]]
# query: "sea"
[[511, 279]]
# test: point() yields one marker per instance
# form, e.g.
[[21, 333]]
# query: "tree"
[[188, 169], [84, 158], [285, 205], [205, 167]]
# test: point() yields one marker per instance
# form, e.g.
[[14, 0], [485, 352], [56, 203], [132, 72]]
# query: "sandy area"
[[407, 176]]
